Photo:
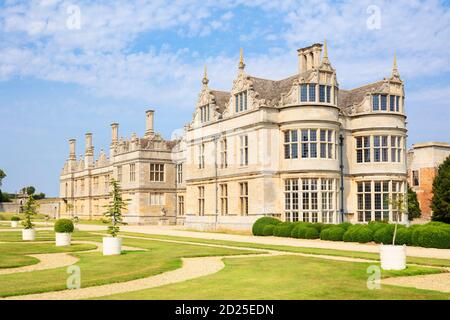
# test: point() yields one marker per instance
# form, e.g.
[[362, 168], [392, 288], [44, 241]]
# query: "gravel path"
[[436, 282]]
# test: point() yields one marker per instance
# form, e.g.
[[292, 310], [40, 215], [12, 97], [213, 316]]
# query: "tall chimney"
[[114, 133], [89, 146], [149, 122], [72, 145]]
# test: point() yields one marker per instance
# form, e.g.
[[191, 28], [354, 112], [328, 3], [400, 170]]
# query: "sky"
[[71, 67]]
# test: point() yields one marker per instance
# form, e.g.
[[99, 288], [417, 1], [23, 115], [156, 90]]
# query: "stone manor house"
[[300, 149]]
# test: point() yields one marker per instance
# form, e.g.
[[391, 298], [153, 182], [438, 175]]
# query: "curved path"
[[437, 282]]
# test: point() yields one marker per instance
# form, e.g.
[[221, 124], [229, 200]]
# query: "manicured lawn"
[[14, 261], [317, 251], [36, 248], [286, 277], [97, 269]]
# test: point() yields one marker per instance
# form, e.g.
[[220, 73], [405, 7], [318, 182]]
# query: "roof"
[[347, 98], [222, 97], [431, 144]]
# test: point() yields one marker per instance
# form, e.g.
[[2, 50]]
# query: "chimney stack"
[[149, 122], [309, 57], [89, 146], [72, 145], [114, 133]]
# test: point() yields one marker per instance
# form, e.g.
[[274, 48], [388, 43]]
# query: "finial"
[[205, 79], [241, 60], [395, 72], [325, 53]]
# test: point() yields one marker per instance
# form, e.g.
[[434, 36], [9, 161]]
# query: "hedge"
[[430, 235], [15, 218], [258, 226], [64, 226]]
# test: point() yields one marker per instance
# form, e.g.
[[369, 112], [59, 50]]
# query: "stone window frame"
[[379, 104], [290, 144], [243, 150], [157, 172], [201, 200], [366, 148], [223, 153], [180, 206], [205, 113], [132, 172], [179, 172], [223, 199], [241, 101], [243, 198]]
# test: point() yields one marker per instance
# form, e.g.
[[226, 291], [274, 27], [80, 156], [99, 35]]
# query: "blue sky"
[[58, 82]]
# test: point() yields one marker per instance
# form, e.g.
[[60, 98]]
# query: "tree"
[[399, 206], [2, 176], [30, 210], [413, 205], [440, 204], [29, 190], [114, 209], [39, 196]]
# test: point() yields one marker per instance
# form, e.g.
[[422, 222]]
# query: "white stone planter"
[[14, 224], [112, 246], [393, 257], [63, 239], [28, 234]]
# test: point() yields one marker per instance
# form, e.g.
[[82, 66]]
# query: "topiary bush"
[[283, 229], [258, 226], [345, 225], [433, 236], [349, 235], [268, 230], [64, 226], [385, 234], [311, 233], [403, 236], [15, 218], [318, 226], [336, 233], [376, 225], [363, 234]]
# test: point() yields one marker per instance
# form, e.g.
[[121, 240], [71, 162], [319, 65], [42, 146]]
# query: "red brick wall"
[[424, 190]]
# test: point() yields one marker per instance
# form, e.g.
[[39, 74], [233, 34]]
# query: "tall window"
[[157, 199], [223, 153], [303, 92], [310, 200], [95, 184], [132, 172], [415, 178], [383, 102], [312, 92], [201, 156], [378, 209], [324, 93], [201, 201], [327, 193], [107, 183], [204, 113], [291, 200], [223, 199], [82, 186], [321, 93], [241, 101], [380, 148], [363, 149], [376, 102], [243, 198], [309, 143], [244, 150], [179, 169], [181, 205], [326, 144], [396, 149], [119, 173], [290, 144], [157, 172]]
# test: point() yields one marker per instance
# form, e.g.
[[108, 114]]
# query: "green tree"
[[29, 190], [2, 176], [440, 204], [115, 208], [413, 205], [30, 210]]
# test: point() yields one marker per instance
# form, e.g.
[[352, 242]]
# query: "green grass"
[[14, 261], [97, 269], [38, 248], [316, 251], [6, 216], [286, 277]]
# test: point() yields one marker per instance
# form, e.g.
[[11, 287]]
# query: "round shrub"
[[258, 226], [403, 236], [326, 226], [283, 229], [349, 235], [64, 226], [325, 234], [311, 233], [385, 234], [268, 230], [301, 232], [318, 226], [363, 235], [376, 225], [15, 218], [336, 233], [344, 225], [434, 237]]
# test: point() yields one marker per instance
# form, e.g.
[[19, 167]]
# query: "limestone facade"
[[299, 148], [424, 160]]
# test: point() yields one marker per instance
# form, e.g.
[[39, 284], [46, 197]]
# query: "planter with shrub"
[[15, 221], [30, 210], [112, 245], [63, 232]]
